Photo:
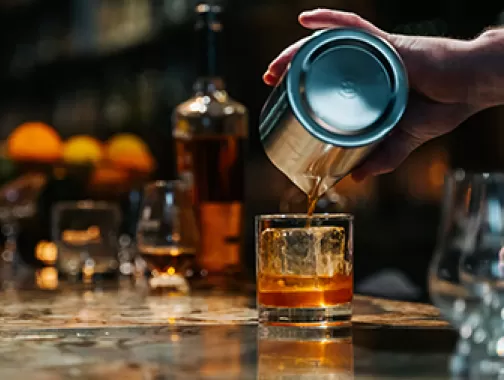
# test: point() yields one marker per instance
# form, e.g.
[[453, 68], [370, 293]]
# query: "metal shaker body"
[[344, 91]]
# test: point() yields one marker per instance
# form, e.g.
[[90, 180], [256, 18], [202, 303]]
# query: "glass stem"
[[10, 259]]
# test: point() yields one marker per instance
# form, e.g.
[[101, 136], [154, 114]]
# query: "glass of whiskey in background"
[[167, 235], [305, 269]]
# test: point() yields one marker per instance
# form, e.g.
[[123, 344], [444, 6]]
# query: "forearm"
[[486, 68]]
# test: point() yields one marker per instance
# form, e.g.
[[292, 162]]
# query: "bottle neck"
[[209, 41], [208, 85]]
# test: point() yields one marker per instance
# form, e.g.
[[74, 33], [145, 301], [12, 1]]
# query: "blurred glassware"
[[465, 274], [18, 201], [446, 290], [167, 235], [307, 353], [128, 258], [126, 255], [86, 233], [482, 265], [46, 278], [482, 273]]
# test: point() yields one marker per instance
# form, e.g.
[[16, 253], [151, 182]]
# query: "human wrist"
[[485, 69]]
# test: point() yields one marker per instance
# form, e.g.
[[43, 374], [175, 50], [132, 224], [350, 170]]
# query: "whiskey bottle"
[[210, 133]]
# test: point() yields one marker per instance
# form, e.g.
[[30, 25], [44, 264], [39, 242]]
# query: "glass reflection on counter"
[[47, 278], [290, 353], [227, 364], [17, 202], [216, 353]]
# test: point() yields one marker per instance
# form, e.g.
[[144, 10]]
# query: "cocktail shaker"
[[344, 91]]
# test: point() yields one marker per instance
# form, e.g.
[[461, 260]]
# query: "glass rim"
[[298, 216], [86, 204], [461, 174], [160, 184]]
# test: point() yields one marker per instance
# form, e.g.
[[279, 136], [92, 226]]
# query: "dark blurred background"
[[103, 67]]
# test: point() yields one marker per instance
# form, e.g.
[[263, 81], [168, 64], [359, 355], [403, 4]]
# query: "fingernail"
[[269, 74], [268, 77], [311, 11]]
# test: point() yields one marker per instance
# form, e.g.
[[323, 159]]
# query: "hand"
[[437, 69]]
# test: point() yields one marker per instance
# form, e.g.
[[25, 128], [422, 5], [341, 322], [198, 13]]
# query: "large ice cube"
[[288, 251], [304, 251], [332, 240], [331, 257], [301, 248], [271, 248]]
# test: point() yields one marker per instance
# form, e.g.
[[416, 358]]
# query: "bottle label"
[[220, 235]]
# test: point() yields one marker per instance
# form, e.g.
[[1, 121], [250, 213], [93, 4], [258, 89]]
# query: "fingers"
[[280, 63], [326, 18], [316, 19]]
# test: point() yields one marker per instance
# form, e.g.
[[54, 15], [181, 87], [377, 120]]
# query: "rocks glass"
[[305, 269]]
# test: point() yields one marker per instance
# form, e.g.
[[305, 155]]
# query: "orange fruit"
[[108, 176], [34, 141], [83, 149], [128, 151]]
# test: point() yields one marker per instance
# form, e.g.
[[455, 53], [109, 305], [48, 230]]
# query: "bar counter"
[[120, 331]]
